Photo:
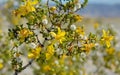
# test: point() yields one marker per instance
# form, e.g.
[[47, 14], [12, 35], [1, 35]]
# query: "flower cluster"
[[26, 8]]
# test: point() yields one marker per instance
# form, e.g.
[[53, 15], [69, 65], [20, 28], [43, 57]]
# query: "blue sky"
[[91, 1], [105, 1]]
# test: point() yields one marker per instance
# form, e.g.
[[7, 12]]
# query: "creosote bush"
[[51, 38]]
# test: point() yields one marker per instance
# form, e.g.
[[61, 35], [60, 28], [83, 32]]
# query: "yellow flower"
[[46, 68], [15, 20], [88, 47], [96, 25], [60, 36], [35, 52], [44, 17], [107, 38], [53, 8], [78, 18], [80, 30], [31, 18], [0, 31], [24, 33], [48, 56], [63, 73], [50, 51], [110, 50], [1, 65], [71, 73], [26, 8]]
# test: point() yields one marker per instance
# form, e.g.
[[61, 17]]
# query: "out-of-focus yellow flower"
[[1, 65], [32, 17], [62, 59], [80, 31], [71, 73], [78, 18], [26, 8], [48, 56], [107, 38], [50, 49], [1, 19], [46, 68], [60, 36], [96, 25], [53, 8], [15, 20], [110, 50], [118, 54], [84, 71], [63, 73], [87, 47], [35, 53], [50, 52], [44, 17], [0, 31], [24, 33]]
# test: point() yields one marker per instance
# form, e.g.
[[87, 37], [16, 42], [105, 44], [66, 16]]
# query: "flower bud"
[[82, 37], [66, 67], [83, 55], [78, 5], [45, 21], [79, 44], [74, 58], [85, 38], [18, 60], [56, 62], [73, 27], [75, 8], [96, 44]]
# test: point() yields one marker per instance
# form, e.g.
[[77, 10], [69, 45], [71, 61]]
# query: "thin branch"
[[24, 67]]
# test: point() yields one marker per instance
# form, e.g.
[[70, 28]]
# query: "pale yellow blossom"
[[60, 36], [107, 38]]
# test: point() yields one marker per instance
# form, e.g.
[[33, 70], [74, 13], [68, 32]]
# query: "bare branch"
[[24, 67]]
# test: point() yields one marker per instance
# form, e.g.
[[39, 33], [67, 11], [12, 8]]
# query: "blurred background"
[[103, 12], [97, 11]]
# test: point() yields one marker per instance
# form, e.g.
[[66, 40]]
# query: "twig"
[[24, 67]]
